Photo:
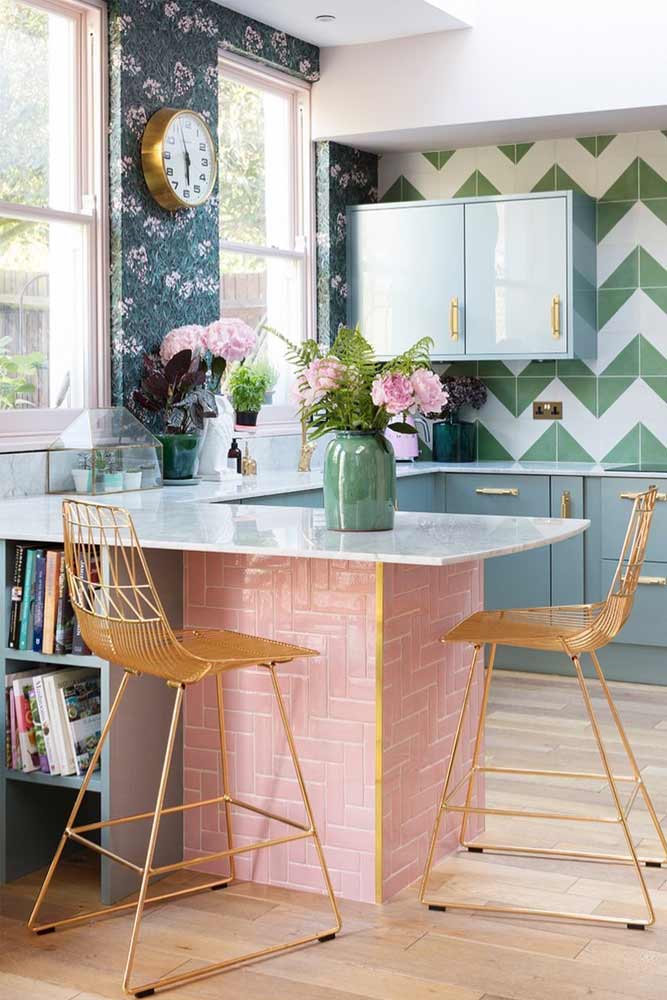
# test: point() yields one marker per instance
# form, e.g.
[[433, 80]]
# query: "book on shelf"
[[78, 643], [64, 614], [37, 726], [28, 600], [82, 707], [38, 604], [16, 596], [58, 717], [21, 686], [53, 560], [12, 749], [45, 718]]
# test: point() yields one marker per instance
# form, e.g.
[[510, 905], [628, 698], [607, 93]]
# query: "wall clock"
[[178, 158]]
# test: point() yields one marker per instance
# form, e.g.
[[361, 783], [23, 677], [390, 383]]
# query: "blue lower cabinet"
[[567, 558], [306, 498], [647, 624], [421, 493], [617, 498]]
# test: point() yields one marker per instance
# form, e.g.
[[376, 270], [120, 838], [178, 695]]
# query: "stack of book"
[[53, 720], [41, 618]]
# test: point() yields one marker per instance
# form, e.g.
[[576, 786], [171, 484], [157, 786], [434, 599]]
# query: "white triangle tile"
[[615, 160], [578, 163], [657, 336], [653, 235], [636, 404], [652, 147], [497, 168], [456, 171], [610, 346], [630, 229], [577, 418], [610, 255], [534, 165], [626, 319], [652, 320]]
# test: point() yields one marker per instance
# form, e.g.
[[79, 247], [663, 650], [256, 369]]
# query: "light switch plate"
[[547, 410]]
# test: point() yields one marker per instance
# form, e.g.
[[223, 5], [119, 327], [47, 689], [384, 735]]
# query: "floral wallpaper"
[[164, 265], [344, 176]]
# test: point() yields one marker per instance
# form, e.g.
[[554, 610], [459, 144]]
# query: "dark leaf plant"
[[177, 391]]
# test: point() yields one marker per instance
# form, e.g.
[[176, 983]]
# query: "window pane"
[[267, 290], [37, 63], [43, 315], [255, 150]]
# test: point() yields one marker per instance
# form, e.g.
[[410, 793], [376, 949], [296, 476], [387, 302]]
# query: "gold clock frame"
[[152, 146]]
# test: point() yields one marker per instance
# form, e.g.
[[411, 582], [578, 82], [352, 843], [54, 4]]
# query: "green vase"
[[454, 441], [179, 455], [359, 482]]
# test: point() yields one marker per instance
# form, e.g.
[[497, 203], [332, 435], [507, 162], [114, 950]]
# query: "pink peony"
[[430, 395], [183, 338], [394, 393], [231, 339], [321, 376]]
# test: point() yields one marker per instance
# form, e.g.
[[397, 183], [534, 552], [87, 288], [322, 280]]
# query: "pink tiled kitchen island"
[[373, 713]]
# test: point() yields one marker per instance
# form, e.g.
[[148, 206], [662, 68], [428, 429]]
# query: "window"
[[52, 168], [265, 212]]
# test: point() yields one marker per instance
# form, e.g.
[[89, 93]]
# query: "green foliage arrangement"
[[346, 388], [247, 385]]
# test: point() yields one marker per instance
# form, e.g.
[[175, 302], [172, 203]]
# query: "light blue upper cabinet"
[[405, 276], [501, 277], [516, 278]]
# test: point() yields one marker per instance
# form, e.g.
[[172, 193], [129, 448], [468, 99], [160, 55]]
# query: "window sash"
[[32, 429]]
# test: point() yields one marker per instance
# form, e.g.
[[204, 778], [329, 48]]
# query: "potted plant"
[[454, 440], [132, 478], [345, 392], [247, 385], [82, 475], [177, 392]]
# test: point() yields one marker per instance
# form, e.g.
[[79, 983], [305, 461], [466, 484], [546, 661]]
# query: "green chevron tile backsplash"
[[614, 408]]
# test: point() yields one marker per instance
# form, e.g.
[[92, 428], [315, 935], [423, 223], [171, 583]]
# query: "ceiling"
[[358, 21]]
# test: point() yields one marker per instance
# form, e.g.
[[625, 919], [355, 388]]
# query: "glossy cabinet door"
[[516, 261], [405, 276]]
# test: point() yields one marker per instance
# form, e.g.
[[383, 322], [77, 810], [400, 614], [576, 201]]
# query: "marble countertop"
[[165, 520]]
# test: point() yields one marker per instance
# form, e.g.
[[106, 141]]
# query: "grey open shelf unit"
[[34, 807]]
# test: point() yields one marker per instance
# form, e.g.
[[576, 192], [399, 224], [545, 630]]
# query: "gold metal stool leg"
[[224, 768], [478, 746], [650, 863], [32, 921], [307, 831], [448, 777]]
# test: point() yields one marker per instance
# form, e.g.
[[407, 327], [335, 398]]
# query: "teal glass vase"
[[454, 441], [359, 482], [179, 455]]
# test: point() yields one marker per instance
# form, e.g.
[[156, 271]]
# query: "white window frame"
[[283, 419], [35, 429]]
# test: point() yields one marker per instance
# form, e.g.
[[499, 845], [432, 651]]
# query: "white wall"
[[523, 60]]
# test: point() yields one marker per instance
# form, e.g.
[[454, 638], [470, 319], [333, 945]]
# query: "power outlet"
[[547, 411]]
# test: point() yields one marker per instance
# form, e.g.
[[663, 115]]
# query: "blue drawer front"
[[647, 624], [517, 581], [616, 508], [418, 493], [527, 495], [307, 498]]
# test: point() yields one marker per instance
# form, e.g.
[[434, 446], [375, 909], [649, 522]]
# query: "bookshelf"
[[34, 806]]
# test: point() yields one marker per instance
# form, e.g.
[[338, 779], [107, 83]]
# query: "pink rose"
[[321, 376], [231, 339], [430, 395], [394, 393], [183, 338]]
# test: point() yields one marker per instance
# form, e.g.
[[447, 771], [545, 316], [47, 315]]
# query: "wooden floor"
[[401, 950]]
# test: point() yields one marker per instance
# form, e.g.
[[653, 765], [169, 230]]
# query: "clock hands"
[[187, 157]]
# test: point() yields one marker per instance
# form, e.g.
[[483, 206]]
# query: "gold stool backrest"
[[620, 598], [116, 603]]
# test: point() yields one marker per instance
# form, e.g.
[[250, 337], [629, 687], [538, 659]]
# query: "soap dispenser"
[[249, 464]]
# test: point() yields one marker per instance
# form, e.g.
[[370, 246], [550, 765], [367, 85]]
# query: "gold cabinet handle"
[[454, 318], [555, 317], [565, 504], [633, 496], [653, 581], [497, 491]]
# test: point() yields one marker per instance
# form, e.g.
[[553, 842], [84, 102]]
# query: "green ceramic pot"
[[179, 455], [359, 482], [454, 441]]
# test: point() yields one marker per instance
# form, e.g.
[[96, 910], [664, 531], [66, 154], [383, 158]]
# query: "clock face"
[[188, 158]]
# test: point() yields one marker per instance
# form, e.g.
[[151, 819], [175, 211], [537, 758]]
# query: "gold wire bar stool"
[[122, 620], [572, 630]]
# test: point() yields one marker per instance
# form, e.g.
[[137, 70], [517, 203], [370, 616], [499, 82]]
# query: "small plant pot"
[[246, 418], [83, 480], [179, 454], [132, 480], [112, 482], [454, 441]]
